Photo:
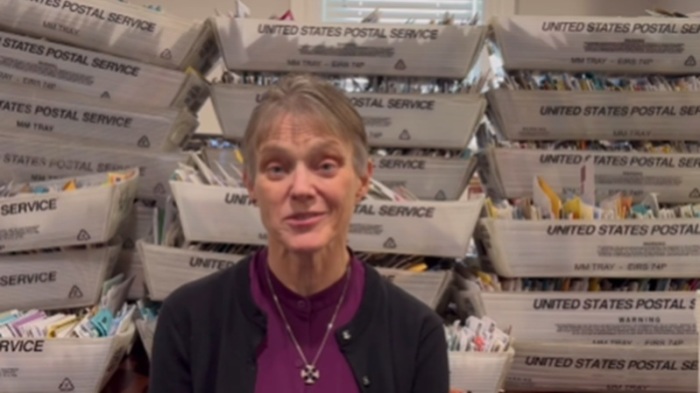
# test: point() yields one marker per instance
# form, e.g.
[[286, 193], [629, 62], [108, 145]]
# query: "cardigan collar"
[[372, 298]]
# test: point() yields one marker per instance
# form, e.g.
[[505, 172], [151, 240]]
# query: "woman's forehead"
[[309, 142], [301, 130], [290, 123]]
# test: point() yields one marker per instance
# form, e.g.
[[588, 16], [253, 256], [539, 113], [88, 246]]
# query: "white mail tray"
[[599, 43], [428, 178], [84, 216], [674, 177], [661, 248], [58, 280], [79, 118], [415, 228], [637, 319], [361, 49], [587, 115], [168, 268], [53, 66], [423, 121], [137, 225], [117, 28], [130, 265], [543, 367], [479, 372], [31, 158], [428, 287], [78, 365]]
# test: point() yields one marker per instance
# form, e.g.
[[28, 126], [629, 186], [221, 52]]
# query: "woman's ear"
[[365, 182]]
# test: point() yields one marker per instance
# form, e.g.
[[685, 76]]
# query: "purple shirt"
[[279, 364]]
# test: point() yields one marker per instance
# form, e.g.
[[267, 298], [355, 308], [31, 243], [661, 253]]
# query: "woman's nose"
[[302, 182]]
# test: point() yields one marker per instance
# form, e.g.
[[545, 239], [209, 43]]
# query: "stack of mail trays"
[[96, 97], [573, 334], [438, 222]]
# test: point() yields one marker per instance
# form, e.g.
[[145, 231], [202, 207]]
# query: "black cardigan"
[[208, 332]]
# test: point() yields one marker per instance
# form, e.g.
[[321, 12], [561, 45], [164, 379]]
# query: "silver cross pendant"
[[310, 374]]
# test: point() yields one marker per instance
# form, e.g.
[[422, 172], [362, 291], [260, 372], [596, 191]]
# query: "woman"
[[303, 315]]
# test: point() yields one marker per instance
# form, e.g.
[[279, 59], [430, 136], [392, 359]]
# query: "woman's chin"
[[306, 243]]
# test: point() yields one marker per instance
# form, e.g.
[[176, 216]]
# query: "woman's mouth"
[[304, 220]]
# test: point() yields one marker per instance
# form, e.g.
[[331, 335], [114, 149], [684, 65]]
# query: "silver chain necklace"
[[310, 374]]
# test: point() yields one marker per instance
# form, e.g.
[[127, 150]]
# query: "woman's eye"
[[328, 166], [274, 169]]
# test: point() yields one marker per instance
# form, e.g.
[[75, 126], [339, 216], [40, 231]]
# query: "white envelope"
[[366, 49], [587, 115], [84, 216], [61, 365], [117, 28], [48, 281], [39, 111], [587, 368], [415, 228], [168, 268], [479, 372], [637, 319], [648, 45], [662, 248], [31, 158], [444, 121], [49, 65], [674, 177]]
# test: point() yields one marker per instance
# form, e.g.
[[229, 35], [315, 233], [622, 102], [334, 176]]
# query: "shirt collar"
[[290, 300]]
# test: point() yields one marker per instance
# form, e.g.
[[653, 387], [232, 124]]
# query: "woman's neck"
[[308, 273]]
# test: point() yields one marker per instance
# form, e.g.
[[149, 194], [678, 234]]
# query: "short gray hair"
[[306, 95]]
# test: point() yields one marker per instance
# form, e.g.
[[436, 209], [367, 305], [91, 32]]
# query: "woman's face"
[[306, 186]]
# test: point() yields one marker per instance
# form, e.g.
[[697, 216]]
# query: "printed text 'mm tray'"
[[78, 118], [589, 115], [660, 248], [599, 43], [54, 66], [117, 28], [359, 49]]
